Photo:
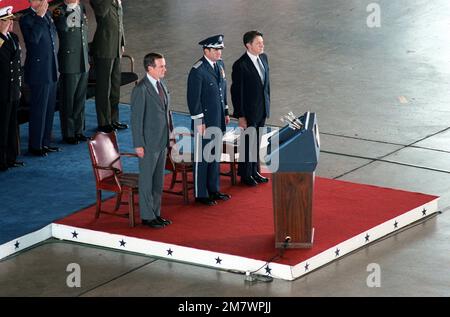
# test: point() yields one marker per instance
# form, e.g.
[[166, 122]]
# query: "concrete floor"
[[381, 95]]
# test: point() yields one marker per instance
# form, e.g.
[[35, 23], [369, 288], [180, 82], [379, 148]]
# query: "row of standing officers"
[[40, 30]]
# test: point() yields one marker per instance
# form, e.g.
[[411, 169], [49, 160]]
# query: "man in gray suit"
[[150, 128]]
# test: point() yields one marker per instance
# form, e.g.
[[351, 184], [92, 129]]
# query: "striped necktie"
[[262, 71], [161, 93]]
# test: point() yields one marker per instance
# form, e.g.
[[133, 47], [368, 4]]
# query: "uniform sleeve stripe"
[[197, 116]]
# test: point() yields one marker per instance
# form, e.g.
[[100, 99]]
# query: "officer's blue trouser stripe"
[[198, 148]]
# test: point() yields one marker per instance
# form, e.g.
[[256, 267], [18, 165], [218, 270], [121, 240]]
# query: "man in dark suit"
[[41, 74], [107, 48], [250, 94], [207, 102], [150, 102], [10, 82], [71, 22]]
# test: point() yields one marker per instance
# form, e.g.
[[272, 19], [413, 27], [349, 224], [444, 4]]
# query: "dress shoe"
[[119, 125], [105, 128], [16, 164], [206, 201], [81, 137], [219, 196], [155, 223], [37, 152], [260, 179], [71, 140], [164, 221], [48, 148], [249, 181]]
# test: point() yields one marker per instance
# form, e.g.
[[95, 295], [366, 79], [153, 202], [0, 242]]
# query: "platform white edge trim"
[[160, 249], [233, 262], [26, 241], [208, 258], [359, 240]]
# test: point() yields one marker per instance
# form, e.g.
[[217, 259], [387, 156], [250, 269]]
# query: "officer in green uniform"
[[71, 22], [107, 49]]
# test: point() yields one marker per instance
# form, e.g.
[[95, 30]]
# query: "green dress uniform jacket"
[[107, 52], [73, 45], [109, 36]]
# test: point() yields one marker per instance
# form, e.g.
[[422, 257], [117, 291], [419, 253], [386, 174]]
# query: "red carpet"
[[243, 226]]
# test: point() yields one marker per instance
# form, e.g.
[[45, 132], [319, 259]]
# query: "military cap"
[[215, 41], [6, 13]]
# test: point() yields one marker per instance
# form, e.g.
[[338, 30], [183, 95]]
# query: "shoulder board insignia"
[[197, 65], [1, 42]]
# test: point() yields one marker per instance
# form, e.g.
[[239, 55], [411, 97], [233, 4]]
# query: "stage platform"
[[238, 234], [235, 235]]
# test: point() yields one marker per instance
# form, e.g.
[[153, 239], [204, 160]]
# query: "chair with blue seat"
[[179, 162]]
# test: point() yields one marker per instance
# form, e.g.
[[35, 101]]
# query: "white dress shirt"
[[254, 59], [153, 82]]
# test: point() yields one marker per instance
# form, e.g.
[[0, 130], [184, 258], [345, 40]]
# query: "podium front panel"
[[292, 207]]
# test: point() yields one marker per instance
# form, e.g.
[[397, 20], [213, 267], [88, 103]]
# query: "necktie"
[[163, 100], [46, 18], [12, 41], [161, 93], [216, 69], [261, 69]]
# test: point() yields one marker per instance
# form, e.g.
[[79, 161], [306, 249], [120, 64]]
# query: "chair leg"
[[174, 179], [233, 173], [99, 204], [185, 187], [118, 201], [131, 208]]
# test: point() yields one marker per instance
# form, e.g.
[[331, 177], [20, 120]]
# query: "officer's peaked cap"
[[6, 13], [215, 41]]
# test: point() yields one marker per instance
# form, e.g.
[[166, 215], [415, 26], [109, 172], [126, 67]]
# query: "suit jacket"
[[149, 117], [73, 40], [10, 68], [109, 36], [40, 36], [207, 94], [250, 97]]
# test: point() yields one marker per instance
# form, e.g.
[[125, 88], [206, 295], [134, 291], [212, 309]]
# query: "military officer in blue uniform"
[[207, 102], [71, 22], [10, 82], [41, 74]]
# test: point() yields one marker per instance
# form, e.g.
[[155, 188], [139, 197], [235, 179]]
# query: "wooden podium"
[[292, 209], [293, 154]]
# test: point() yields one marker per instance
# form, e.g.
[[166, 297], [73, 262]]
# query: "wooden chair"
[[109, 176], [178, 163], [230, 154]]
